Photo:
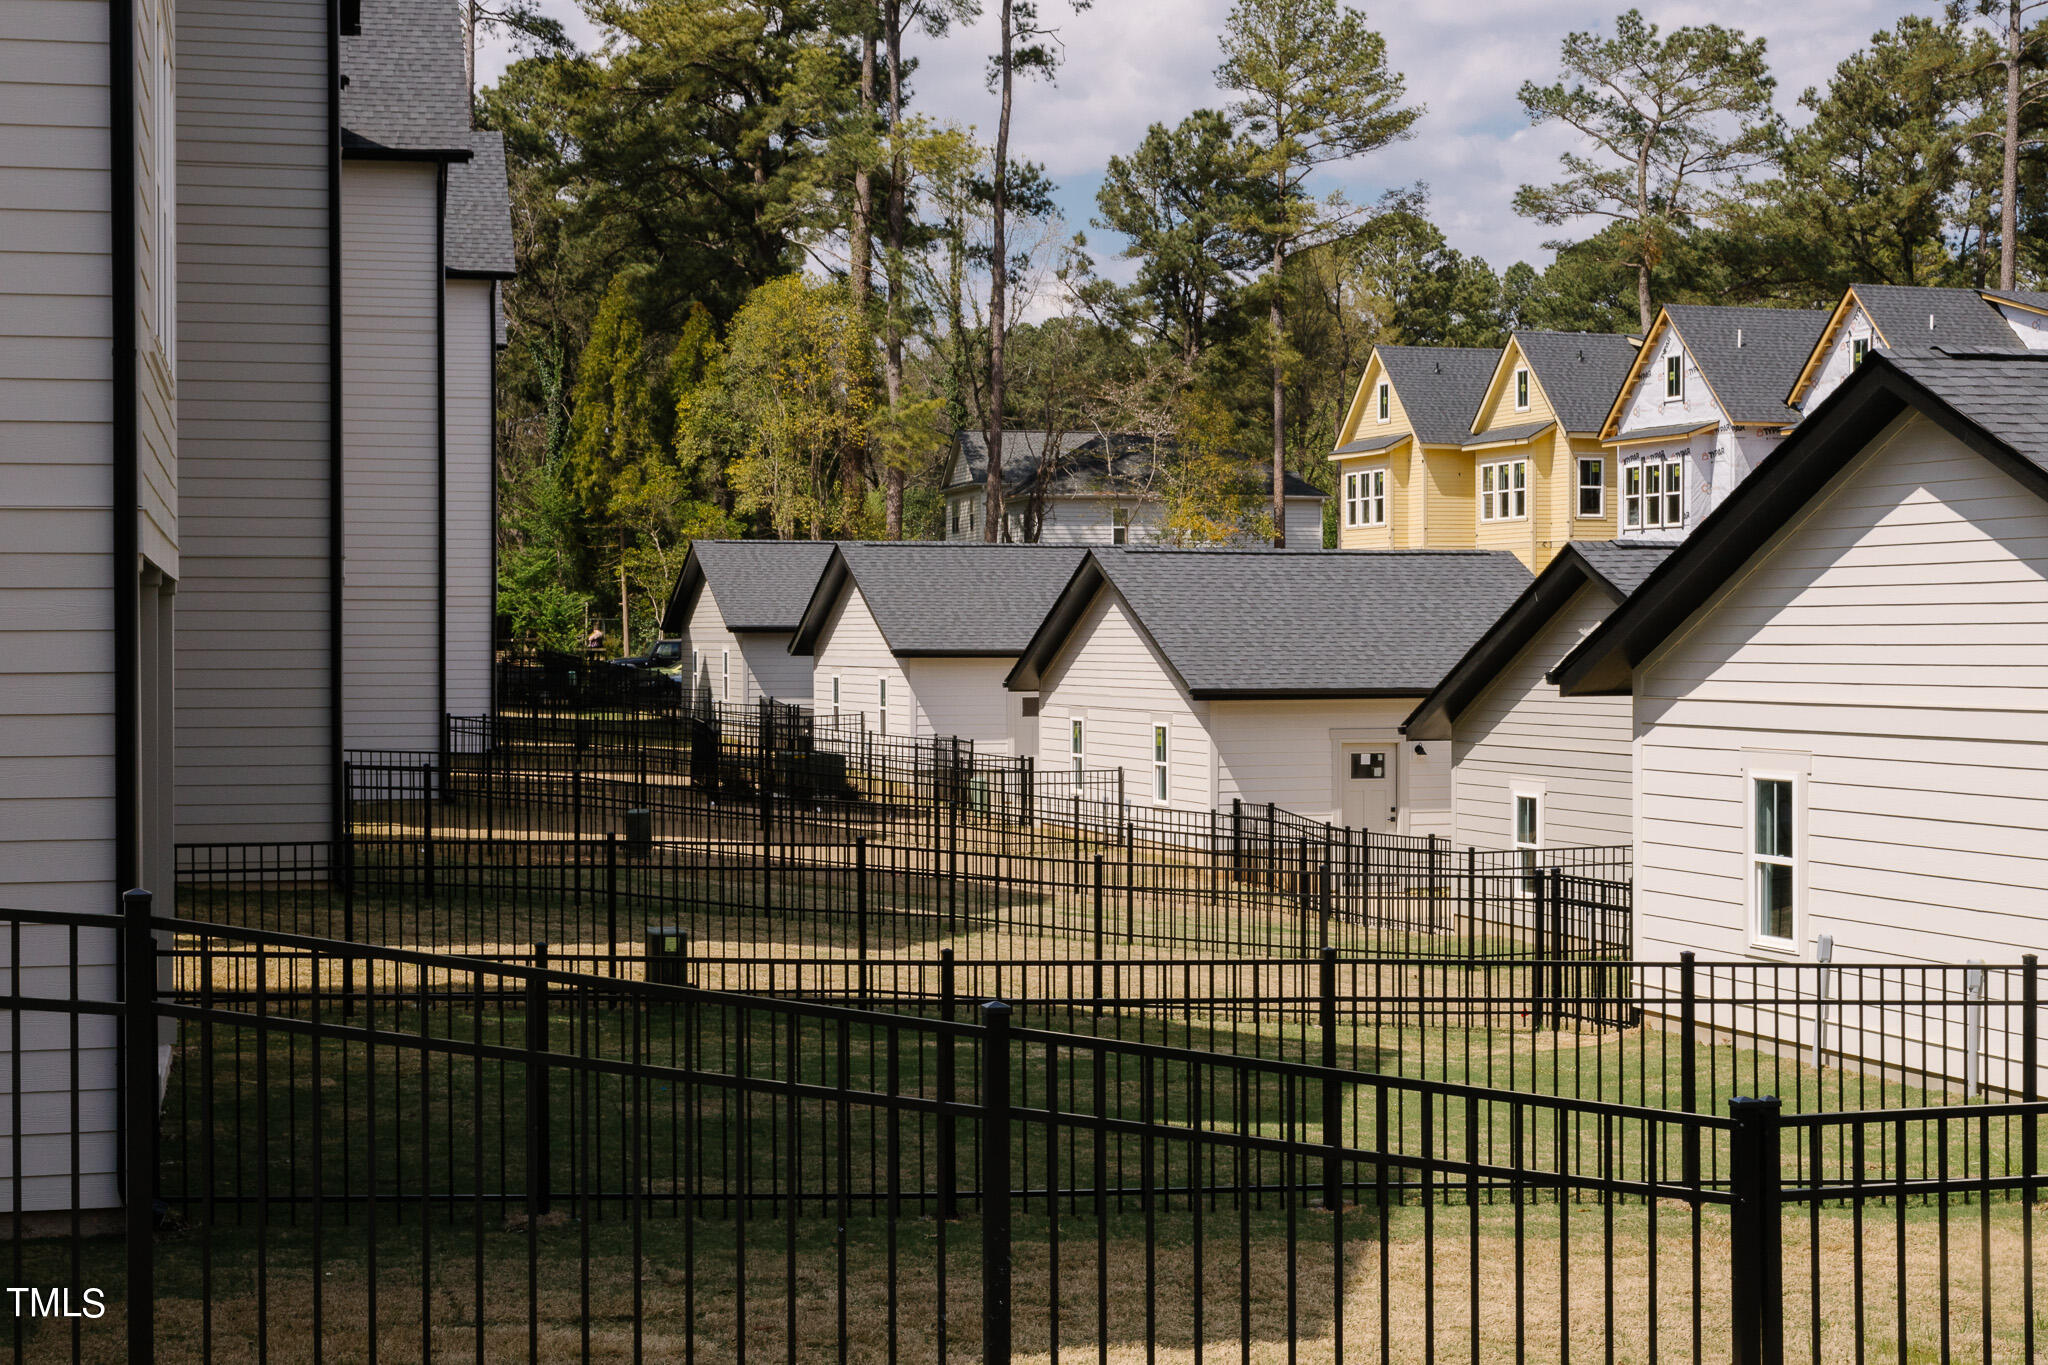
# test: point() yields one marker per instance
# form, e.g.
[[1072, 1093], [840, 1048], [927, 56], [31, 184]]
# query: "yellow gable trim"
[[1843, 308], [1638, 370]]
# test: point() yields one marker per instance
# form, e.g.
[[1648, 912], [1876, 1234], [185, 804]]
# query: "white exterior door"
[[1370, 799]]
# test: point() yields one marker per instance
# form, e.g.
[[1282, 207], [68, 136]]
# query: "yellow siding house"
[[1540, 477], [1403, 481]]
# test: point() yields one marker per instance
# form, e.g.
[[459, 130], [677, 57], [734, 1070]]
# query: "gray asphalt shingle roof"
[[1366, 445], [479, 240], [932, 597], [1623, 564], [759, 585], [1660, 433], [1580, 372], [1440, 387], [2006, 394], [1089, 463], [1520, 431], [404, 91], [1913, 318], [1750, 356], [2026, 298], [1314, 622]]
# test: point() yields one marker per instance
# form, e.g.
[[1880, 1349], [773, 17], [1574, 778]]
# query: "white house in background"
[[916, 637], [1702, 404], [736, 608], [1530, 767], [1209, 676], [1099, 490], [1912, 320], [1838, 685], [90, 538]]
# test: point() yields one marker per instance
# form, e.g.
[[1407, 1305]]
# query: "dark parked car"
[[665, 657]]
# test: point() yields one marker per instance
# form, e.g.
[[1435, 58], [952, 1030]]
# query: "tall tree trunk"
[[860, 273], [998, 276], [1276, 318], [469, 50], [2009, 182], [892, 265]]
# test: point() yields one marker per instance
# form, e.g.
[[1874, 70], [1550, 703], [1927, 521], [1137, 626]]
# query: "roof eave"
[[1304, 693], [1520, 624]]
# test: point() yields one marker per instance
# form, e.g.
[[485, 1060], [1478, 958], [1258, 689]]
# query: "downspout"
[[491, 636], [441, 460], [336, 522], [127, 621]]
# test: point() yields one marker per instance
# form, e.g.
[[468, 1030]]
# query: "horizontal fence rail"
[[494, 1160]]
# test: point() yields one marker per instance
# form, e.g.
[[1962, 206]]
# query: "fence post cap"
[[996, 1011], [1753, 1107], [136, 899]]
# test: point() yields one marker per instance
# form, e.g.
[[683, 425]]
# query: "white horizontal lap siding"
[[852, 648], [1286, 753], [56, 548], [155, 218], [1111, 678], [1840, 358], [470, 354], [1895, 639], [771, 669], [1521, 735], [253, 418], [1304, 523], [391, 460], [962, 698]]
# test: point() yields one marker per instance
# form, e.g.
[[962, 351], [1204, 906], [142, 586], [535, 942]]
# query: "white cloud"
[[1131, 63]]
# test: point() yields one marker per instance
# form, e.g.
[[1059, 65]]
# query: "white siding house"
[[1856, 641], [917, 638], [1099, 490], [90, 543], [1529, 765], [736, 607], [1212, 676]]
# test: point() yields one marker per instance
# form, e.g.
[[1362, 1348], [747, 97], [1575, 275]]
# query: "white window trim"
[[1488, 510], [1674, 368], [1119, 526], [1759, 942], [1383, 407], [882, 702], [1579, 496], [725, 677], [1523, 388], [1651, 508], [1162, 767], [1365, 497], [1077, 742], [1517, 794]]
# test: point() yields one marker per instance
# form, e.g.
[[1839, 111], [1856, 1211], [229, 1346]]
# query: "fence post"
[[1688, 1064], [1030, 774], [139, 1041], [427, 826], [949, 1151], [347, 847], [860, 907], [1471, 904], [1539, 978], [1323, 890], [2030, 1090], [1272, 847], [1098, 933], [1435, 884], [1304, 892], [1559, 974], [1237, 839], [995, 1183], [611, 895], [1755, 1248], [539, 1131], [953, 865], [1333, 1096]]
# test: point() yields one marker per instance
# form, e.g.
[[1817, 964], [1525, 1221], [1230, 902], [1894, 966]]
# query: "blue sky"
[[1131, 63]]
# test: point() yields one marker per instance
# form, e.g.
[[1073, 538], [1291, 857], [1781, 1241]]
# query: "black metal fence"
[[497, 1161]]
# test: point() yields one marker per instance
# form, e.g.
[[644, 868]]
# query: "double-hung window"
[[1386, 406], [1674, 377], [1077, 746], [1773, 859], [882, 702], [835, 701], [1528, 837], [1159, 761], [1521, 390], [725, 676], [1859, 347], [1653, 494], [1119, 526], [1504, 491], [1592, 487], [1365, 498]]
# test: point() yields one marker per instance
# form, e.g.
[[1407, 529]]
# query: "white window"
[[1504, 491], [1521, 390], [835, 700], [1159, 750], [1529, 836], [1077, 745], [882, 702], [725, 677], [1386, 408], [1592, 487], [1859, 347], [1773, 859], [1654, 494], [1365, 498], [1674, 377], [1119, 526]]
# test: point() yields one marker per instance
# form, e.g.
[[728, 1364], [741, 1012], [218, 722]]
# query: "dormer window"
[[1674, 377], [1386, 408], [1521, 390], [1859, 347]]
